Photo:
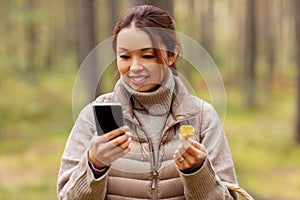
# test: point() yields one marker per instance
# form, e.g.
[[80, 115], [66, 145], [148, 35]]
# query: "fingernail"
[[129, 134], [125, 128]]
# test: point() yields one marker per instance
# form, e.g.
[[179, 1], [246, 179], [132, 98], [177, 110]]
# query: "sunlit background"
[[252, 42]]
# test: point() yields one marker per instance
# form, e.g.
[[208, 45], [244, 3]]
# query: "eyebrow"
[[143, 49]]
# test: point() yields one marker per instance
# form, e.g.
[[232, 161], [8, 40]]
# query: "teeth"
[[138, 78]]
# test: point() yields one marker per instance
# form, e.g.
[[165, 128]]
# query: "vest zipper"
[[154, 185], [154, 180], [154, 173], [154, 177]]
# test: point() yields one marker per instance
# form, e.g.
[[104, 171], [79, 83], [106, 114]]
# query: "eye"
[[124, 57], [149, 56]]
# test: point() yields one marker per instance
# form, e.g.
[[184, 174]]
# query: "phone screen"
[[108, 117]]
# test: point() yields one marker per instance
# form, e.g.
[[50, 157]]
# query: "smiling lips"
[[138, 79]]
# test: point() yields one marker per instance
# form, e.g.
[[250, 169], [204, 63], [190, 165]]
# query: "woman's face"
[[136, 60]]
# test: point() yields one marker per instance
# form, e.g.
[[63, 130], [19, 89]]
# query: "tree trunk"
[[207, 26], [113, 17], [297, 28], [86, 31], [250, 54], [268, 39], [31, 41], [86, 43]]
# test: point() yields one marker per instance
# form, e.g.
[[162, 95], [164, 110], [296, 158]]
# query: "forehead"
[[132, 39]]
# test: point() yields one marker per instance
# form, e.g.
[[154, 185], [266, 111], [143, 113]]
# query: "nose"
[[136, 65]]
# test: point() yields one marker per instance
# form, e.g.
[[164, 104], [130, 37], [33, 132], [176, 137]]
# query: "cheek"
[[158, 71], [122, 67]]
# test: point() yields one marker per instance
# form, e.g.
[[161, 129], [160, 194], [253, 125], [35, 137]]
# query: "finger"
[[178, 160], [186, 142], [182, 149], [178, 157], [181, 163], [102, 144], [111, 155], [112, 134], [193, 147], [117, 152], [125, 144], [120, 143], [197, 144], [120, 139], [100, 139], [196, 148], [191, 151], [195, 157], [99, 143]]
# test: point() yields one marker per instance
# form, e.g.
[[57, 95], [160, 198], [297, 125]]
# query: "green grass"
[[32, 173], [35, 121], [263, 147]]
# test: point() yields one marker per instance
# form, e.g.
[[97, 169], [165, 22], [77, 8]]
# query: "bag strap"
[[239, 190]]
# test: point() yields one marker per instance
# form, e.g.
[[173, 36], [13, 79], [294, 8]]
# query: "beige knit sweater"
[[148, 171]]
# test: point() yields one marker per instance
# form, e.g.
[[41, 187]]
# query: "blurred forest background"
[[254, 43]]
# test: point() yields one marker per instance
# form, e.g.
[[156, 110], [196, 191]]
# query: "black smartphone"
[[108, 117]]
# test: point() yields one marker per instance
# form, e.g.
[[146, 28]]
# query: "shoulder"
[[210, 118], [199, 104], [105, 98], [206, 109]]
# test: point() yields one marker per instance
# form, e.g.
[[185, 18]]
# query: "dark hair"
[[157, 23]]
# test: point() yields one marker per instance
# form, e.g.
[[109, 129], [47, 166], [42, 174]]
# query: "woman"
[[147, 158]]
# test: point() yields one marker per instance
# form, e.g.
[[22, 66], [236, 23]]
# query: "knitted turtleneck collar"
[[157, 102]]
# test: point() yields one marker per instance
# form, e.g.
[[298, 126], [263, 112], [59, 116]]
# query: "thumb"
[[185, 141]]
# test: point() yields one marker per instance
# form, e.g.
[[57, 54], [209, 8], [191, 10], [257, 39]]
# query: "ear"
[[172, 58]]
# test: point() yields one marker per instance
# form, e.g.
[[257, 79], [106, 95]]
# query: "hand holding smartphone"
[[108, 117]]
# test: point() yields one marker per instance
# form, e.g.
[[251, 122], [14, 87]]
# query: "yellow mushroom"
[[187, 130]]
